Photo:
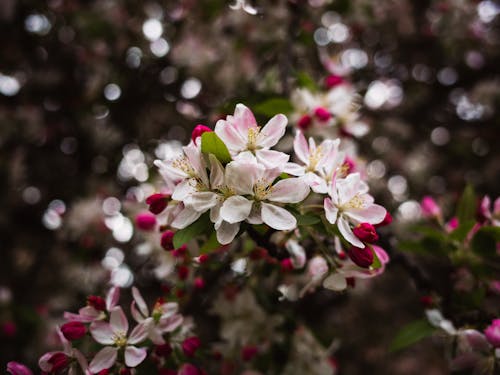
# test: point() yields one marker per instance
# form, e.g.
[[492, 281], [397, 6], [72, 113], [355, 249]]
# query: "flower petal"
[[301, 147], [112, 297], [272, 158], [335, 282], [272, 132], [240, 176], [331, 211], [185, 218], [140, 302], [134, 356], [235, 209], [294, 169], [216, 173], [347, 233], [372, 214], [255, 216], [244, 118], [105, 359], [289, 190], [277, 217], [170, 323], [102, 332], [230, 136], [226, 232], [140, 332], [202, 201], [118, 321], [183, 190]]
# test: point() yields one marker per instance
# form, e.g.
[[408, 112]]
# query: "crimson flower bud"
[[322, 114], [333, 80], [304, 122], [157, 202], [203, 258], [429, 207], [190, 345], [163, 350], [248, 352], [9, 329], [167, 240], [387, 220], [199, 283], [97, 302], [366, 232], [73, 330], [198, 131], [180, 251], [145, 221], [361, 257], [59, 361], [286, 265], [182, 272]]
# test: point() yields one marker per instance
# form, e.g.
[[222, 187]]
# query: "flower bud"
[[157, 202], [492, 333], [73, 330], [163, 350], [59, 361], [304, 122], [103, 372], [249, 352], [387, 220], [199, 283], [16, 368], [286, 265], [145, 221], [167, 240], [182, 272], [366, 232], [97, 303], [322, 114], [203, 258], [429, 207], [180, 252], [188, 369], [333, 80], [451, 225], [198, 131], [190, 345], [361, 257]]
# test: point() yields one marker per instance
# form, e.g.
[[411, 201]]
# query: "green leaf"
[[185, 235], [410, 334], [305, 80], [273, 106], [376, 261], [485, 241], [307, 219], [467, 205], [211, 244], [212, 144]]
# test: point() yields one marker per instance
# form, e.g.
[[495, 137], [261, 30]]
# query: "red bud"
[[361, 257], [333, 80], [157, 202], [198, 131], [73, 330], [59, 361], [145, 221], [190, 345], [322, 114], [366, 232], [304, 122], [97, 302], [167, 240]]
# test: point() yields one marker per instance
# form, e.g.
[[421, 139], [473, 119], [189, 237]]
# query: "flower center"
[[261, 190], [356, 202], [120, 339], [182, 163], [252, 138], [314, 159]]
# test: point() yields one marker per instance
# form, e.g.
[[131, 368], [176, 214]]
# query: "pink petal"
[[118, 321], [216, 173], [301, 147], [272, 158], [230, 136], [289, 190], [331, 211], [102, 333], [372, 214], [82, 361], [294, 169], [105, 359], [134, 356], [140, 302], [277, 217], [171, 323], [348, 187], [112, 297], [235, 209], [44, 363], [226, 232], [140, 332], [317, 184], [272, 132], [241, 176], [244, 118], [347, 233]]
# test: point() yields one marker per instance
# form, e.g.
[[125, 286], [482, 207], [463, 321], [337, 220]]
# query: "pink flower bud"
[[249, 352], [286, 265], [361, 257], [387, 220], [182, 272], [180, 252], [492, 333], [198, 131], [333, 80], [322, 114], [190, 345], [304, 122], [451, 225], [163, 350], [167, 240], [145, 221], [59, 361], [157, 202], [188, 369], [97, 303], [199, 283], [16, 368], [73, 330], [366, 232], [429, 207], [203, 258]]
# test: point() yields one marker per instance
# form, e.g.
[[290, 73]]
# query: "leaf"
[[273, 106], [185, 235], [410, 334], [485, 241], [467, 205], [305, 80], [211, 244], [212, 144], [376, 261], [307, 219]]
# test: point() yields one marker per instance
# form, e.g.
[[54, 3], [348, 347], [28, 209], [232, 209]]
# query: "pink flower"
[[485, 212], [191, 345], [430, 208], [366, 232], [96, 307], [114, 336], [145, 221], [73, 330], [492, 333], [198, 131], [16, 368]]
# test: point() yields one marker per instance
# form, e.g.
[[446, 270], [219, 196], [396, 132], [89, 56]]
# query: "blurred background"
[[91, 90]]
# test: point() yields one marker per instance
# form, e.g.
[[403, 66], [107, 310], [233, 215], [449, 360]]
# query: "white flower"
[[349, 202]]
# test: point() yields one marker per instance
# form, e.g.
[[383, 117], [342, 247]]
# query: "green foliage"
[[212, 144], [411, 333], [211, 244], [273, 106], [307, 219], [467, 205], [485, 240], [306, 81], [376, 260], [185, 235]]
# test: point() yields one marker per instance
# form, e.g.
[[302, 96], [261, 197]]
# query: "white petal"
[[230, 136], [255, 216], [301, 147], [134, 356], [170, 323], [140, 332], [277, 217], [102, 332], [185, 218], [272, 158], [216, 173], [244, 118], [235, 209], [118, 321], [372, 214], [112, 297], [331, 211], [289, 190], [240, 176], [105, 359], [140, 301], [183, 190], [226, 232], [272, 132], [202, 201], [347, 233], [348, 187], [294, 169], [335, 282]]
